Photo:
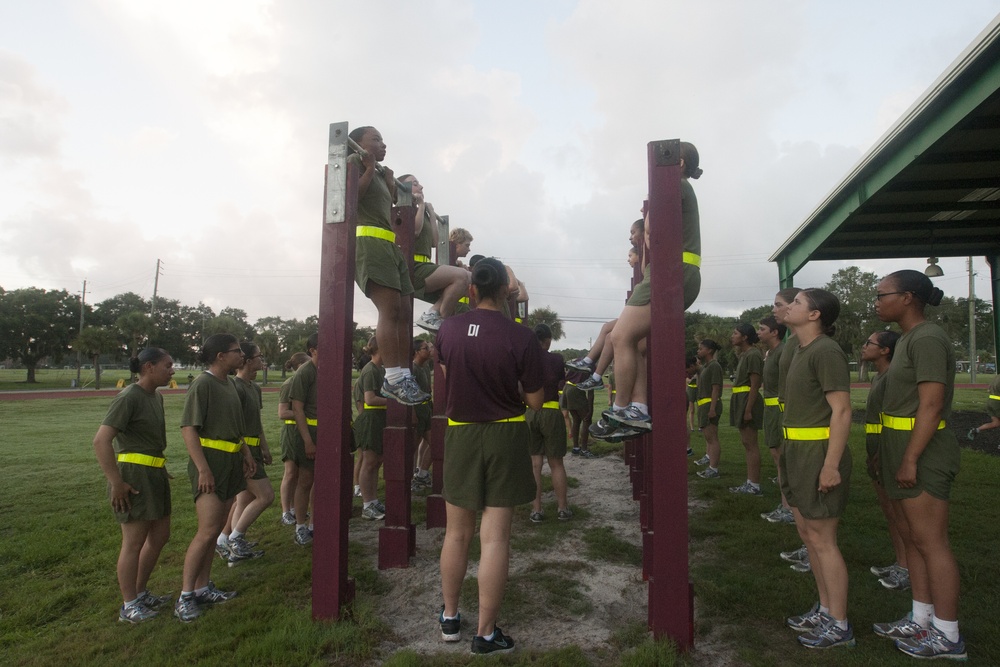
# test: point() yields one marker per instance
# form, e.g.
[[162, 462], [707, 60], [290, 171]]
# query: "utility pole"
[[973, 357], [156, 285], [79, 356]]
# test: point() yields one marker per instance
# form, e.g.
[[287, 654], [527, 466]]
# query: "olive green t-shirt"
[[711, 374], [137, 415], [751, 362], [213, 406], [424, 242], [784, 361], [371, 379], [769, 378], [993, 404], [923, 354], [423, 375], [375, 206], [304, 388], [285, 392], [253, 402], [691, 225], [815, 370], [876, 395]]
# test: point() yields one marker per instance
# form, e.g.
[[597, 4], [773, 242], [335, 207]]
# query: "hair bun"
[[935, 296], [696, 173]]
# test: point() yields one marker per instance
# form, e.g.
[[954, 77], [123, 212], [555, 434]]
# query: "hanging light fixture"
[[933, 271]]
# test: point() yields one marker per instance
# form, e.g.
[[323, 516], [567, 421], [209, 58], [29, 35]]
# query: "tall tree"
[[134, 328], [270, 348], [244, 331], [107, 312], [856, 290], [93, 342], [37, 324], [545, 316]]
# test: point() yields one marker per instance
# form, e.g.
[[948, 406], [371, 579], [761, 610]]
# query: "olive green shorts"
[[703, 419], [297, 451], [641, 292], [381, 262], [574, 399], [258, 457], [153, 500], [692, 284], [289, 436], [871, 451], [773, 436], [993, 407], [421, 272], [800, 463], [692, 393], [368, 430], [547, 430], [423, 412], [487, 465], [738, 403], [937, 467], [226, 467]]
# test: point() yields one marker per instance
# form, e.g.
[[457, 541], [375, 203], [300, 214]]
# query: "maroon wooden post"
[[671, 607], [397, 538], [332, 589], [436, 513], [632, 446]]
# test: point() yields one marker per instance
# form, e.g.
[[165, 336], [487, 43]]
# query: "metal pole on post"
[[671, 609], [156, 287], [332, 589], [79, 356]]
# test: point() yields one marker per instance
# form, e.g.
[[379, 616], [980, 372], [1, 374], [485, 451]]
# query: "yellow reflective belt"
[[464, 300], [740, 390], [693, 386], [781, 405], [425, 259], [903, 423], [142, 459], [873, 428], [994, 398], [519, 418], [518, 320], [221, 445], [376, 232], [773, 401], [703, 401], [312, 422], [374, 407], [816, 433], [253, 442], [553, 405], [691, 258], [290, 421]]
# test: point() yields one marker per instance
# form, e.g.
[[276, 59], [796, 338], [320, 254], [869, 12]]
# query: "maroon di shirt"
[[555, 375], [486, 355]]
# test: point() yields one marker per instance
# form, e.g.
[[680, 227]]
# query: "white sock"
[[824, 610], [490, 636], [394, 375], [222, 540], [588, 360], [129, 603], [922, 613], [368, 503], [407, 373], [642, 406], [235, 535], [299, 526], [199, 591], [595, 376], [948, 628], [841, 624], [423, 473]]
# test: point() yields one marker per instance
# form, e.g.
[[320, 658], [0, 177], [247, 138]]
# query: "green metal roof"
[[929, 187]]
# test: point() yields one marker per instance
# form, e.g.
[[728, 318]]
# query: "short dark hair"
[[917, 284], [748, 331], [543, 331], [215, 345], [888, 339], [710, 344], [771, 323], [150, 355]]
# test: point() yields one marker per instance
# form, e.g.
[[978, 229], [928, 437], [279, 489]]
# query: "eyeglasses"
[[256, 356], [878, 296], [871, 342]]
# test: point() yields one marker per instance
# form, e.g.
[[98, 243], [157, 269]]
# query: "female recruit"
[[918, 462], [709, 407], [130, 446], [816, 462], [487, 464], [547, 429], [289, 436], [380, 270], [772, 336], [220, 463], [368, 430], [746, 410]]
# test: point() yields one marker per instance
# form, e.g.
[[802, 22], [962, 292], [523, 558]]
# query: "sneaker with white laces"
[[746, 489], [579, 364], [709, 473], [379, 505], [590, 384], [288, 518], [565, 515], [451, 628], [904, 628], [882, 571], [801, 566], [240, 550], [830, 635], [407, 391], [430, 321], [897, 580], [499, 642], [186, 609], [796, 556], [135, 613], [703, 461], [213, 595], [630, 416], [782, 515], [810, 620], [420, 483], [931, 643], [372, 513], [303, 536], [357, 491], [536, 517], [154, 602], [222, 550]]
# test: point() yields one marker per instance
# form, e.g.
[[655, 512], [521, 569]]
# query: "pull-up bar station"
[[657, 462]]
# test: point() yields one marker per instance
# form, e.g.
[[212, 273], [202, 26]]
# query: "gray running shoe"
[[222, 551], [407, 391], [796, 556], [154, 602], [372, 513], [303, 536], [135, 613], [584, 453], [430, 321], [904, 628], [214, 596], [565, 515], [931, 643], [579, 364], [801, 566], [602, 429], [186, 608], [703, 461], [782, 515], [810, 620], [623, 433], [240, 550], [590, 384], [829, 636], [536, 517], [882, 571], [630, 416], [709, 473], [379, 505], [747, 489], [288, 518], [897, 580], [451, 628]]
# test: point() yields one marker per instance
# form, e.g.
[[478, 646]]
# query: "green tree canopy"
[[95, 341], [37, 324], [548, 316]]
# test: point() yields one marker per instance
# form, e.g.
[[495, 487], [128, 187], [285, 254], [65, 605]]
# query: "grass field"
[[58, 546]]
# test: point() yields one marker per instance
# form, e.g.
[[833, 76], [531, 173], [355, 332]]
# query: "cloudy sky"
[[195, 131]]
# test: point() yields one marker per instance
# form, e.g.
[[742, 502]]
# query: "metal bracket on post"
[[443, 246], [336, 181]]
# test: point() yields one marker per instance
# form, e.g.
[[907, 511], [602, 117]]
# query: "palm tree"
[[134, 328], [93, 342], [270, 347]]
